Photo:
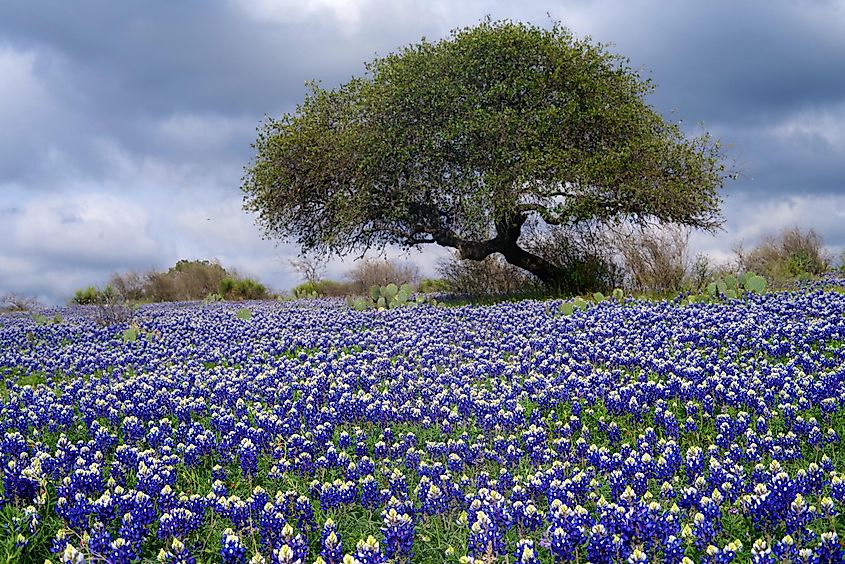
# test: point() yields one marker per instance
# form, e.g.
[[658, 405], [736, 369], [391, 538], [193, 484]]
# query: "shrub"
[[656, 260], [584, 253], [791, 254], [242, 289], [15, 302], [131, 286], [86, 296], [333, 288], [249, 289], [490, 276], [186, 280], [373, 272], [111, 307], [434, 285], [226, 286], [325, 288], [306, 289]]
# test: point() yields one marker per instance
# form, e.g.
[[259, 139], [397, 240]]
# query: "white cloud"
[[808, 127], [95, 228], [749, 220], [25, 97], [200, 134], [347, 13]]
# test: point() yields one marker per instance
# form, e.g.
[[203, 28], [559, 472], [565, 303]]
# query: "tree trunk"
[[551, 275], [506, 243]]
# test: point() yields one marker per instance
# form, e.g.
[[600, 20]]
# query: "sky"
[[125, 126]]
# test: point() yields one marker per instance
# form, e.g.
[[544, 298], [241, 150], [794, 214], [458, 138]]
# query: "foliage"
[[186, 280], [110, 307], [580, 304], [306, 290], [41, 319], [213, 298], [791, 254], [87, 296], [244, 314], [730, 287], [462, 141], [130, 334]]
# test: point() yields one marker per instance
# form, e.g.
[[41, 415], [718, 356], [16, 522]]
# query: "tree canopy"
[[462, 141]]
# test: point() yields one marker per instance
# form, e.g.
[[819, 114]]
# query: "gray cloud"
[[126, 125]]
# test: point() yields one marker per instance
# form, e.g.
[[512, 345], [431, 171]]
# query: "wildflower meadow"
[[306, 431]]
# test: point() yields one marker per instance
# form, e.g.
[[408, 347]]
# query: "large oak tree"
[[461, 142]]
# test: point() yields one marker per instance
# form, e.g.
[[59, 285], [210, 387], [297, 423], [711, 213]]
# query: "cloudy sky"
[[125, 126]]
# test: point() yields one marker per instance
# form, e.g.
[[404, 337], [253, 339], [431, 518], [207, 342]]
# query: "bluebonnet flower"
[[248, 454], [331, 546], [177, 554], [829, 549], [368, 552], [232, 551], [485, 538], [297, 543], [398, 531], [525, 553], [71, 555]]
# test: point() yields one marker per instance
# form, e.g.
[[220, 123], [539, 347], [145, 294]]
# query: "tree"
[[309, 267], [461, 142]]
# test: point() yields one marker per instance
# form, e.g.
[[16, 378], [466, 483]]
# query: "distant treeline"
[[186, 280], [638, 260]]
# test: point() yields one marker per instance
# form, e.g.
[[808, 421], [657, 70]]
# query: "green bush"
[[226, 286], [434, 285], [333, 288], [87, 296], [242, 289], [306, 289], [792, 254]]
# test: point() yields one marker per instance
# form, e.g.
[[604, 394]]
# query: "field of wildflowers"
[[632, 431]]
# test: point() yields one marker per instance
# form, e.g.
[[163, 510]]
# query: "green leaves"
[[755, 283], [567, 308], [731, 287], [387, 297], [244, 314], [41, 319], [130, 335]]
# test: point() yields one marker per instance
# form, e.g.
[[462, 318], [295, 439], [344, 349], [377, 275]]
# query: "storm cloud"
[[126, 125]]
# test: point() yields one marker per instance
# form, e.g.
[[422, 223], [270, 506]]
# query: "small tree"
[[309, 267], [462, 142]]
